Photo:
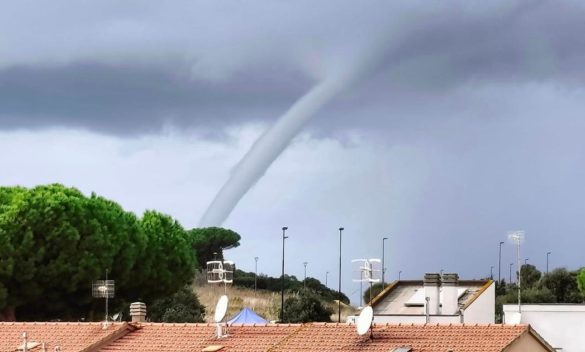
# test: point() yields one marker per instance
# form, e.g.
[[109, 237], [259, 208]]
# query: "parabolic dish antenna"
[[221, 309], [364, 321]]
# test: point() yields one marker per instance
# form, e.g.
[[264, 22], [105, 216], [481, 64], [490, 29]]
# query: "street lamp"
[[547, 255], [500, 263], [255, 275], [284, 237], [492, 272], [326, 274], [399, 273], [383, 266], [526, 261], [339, 296], [305, 280]]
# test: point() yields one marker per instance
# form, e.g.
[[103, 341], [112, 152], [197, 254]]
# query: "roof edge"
[[383, 294], [120, 332], [478, 293]]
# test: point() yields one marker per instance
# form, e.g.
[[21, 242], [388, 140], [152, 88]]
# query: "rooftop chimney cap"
[[138, 312], [432, 279], [450, 279]]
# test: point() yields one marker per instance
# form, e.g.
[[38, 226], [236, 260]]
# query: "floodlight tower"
[[339, 291], [517, 237], [284, 237]]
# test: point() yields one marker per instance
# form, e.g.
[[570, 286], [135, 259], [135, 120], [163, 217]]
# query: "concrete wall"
[[526, 343], [483, 309], [417, 319], [561, 325]]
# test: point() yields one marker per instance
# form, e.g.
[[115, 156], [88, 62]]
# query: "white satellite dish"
[[364, 321], [221, 309]]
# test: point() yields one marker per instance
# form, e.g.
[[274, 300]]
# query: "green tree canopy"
[[54, 242], [182, 307], [563, 285], [529, 275], [305, 307], [208, 240]]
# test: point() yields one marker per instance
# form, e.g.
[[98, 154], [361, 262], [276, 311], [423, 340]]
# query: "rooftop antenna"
[[517, 237], [104, 289], [370, 271], [364, 321], [220, 311], [219, 271]]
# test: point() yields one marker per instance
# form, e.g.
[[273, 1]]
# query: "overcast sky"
[[467, 124]]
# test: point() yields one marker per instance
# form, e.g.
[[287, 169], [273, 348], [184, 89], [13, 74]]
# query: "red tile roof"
[[151, 337], [68, 336], [386, 337], [155, 337]]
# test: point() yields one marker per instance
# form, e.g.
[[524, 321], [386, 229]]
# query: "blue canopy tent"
[[247, 316]]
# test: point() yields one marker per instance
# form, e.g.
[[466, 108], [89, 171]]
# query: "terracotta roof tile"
[[69, 336], [323, 337]]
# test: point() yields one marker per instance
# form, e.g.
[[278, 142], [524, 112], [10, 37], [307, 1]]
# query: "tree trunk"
[[8, 314]]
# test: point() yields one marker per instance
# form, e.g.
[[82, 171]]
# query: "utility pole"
[[339, 291], [383, 265], [255, 275], [305, 280], [547, 255], [500, 264], [284, 237]]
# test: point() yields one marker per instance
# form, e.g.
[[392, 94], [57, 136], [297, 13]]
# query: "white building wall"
[[483, 309], [416, 319], [561, 325]]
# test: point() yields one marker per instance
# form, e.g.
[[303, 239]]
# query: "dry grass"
[[264, 303]]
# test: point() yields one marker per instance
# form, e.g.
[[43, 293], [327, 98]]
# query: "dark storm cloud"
[[197, 67], [129, 100]]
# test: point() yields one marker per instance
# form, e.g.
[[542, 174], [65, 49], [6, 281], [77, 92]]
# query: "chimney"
[[138, 312], [450, 299], [432, 283]]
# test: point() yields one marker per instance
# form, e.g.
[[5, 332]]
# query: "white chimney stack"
[[138, 312], [450, 282], [432, 283]]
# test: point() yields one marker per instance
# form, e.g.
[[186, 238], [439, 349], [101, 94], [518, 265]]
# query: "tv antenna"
[[370, 271], [518, 237], [364, 321], [219, 314], [219, 271], [104, 289]]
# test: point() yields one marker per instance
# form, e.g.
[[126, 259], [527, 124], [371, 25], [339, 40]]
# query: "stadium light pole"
[[255, 275], [547, 255], [500, 263], [383, 265], [284, 237], [339, 291], [305, 280]]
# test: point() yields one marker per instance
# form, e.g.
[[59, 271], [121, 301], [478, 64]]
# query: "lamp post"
[[511, 264], [305, 280], [547, 255], [255, 275], [326, 275], [492, 272], [399, 273], [339, 291], [500, 263], [383, 265], [284, 237], [526, 261]]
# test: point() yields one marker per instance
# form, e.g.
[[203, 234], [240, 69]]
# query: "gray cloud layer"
[[140, 67]]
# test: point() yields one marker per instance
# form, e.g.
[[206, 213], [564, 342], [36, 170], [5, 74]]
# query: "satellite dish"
[[221, 309], [364, 321]]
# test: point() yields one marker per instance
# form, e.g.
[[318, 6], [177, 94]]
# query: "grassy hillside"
[[264, 303]]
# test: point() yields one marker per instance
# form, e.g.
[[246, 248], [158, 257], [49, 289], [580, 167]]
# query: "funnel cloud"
[[269, 146]]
